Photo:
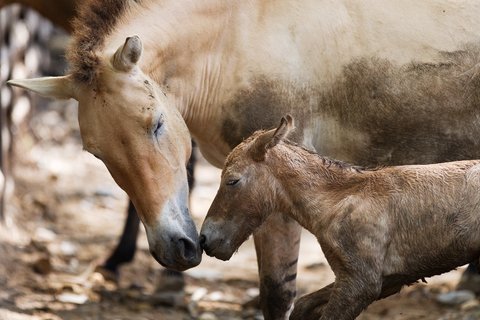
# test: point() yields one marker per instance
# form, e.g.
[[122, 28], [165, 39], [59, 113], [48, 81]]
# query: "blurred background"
[[61, 214]]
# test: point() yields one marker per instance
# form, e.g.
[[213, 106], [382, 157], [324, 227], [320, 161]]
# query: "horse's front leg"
[[126, 247], [277, 243]]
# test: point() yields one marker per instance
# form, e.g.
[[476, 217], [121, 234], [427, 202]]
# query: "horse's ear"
[[271, 138], [52, 87], [127, 54]]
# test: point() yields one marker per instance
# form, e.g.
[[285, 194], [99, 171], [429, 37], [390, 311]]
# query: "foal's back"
[[434, 215]]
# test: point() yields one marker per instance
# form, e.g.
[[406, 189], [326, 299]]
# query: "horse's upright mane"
[[93, 23]]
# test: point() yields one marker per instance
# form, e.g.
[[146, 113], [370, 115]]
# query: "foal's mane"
[[328, 162], [94, 21]]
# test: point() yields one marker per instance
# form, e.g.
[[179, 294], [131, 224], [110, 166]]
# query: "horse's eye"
[[232, 182], [158, 126]]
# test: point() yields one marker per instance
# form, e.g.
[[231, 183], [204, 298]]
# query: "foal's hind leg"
[[277, 243]]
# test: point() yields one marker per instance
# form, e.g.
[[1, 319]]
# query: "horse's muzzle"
[[182, 254]]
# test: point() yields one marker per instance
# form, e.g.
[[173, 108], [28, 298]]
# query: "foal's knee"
[[307, 308], [311, 305]]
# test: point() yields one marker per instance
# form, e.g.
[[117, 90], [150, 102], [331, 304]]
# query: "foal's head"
[[247, 193]]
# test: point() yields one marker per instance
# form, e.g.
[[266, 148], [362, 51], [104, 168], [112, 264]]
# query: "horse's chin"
[[178, 264]]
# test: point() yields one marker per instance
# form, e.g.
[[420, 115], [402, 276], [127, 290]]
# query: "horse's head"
[[128, 122], [248, 193]]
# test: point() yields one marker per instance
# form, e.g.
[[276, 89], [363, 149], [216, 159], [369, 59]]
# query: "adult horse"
[[62, 13], [371, 83]]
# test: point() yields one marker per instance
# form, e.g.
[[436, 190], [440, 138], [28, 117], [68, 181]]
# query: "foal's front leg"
[[311, 305], [277, 243], [351, 294]]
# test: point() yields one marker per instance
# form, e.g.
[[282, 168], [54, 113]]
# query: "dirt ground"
[[65, 217]]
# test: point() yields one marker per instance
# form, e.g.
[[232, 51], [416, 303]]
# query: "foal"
[[379, 229]]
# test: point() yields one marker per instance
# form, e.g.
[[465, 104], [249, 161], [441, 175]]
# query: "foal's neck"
[[313, 184]]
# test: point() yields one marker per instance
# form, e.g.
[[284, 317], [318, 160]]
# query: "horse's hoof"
[[107, 274], [170, 281]]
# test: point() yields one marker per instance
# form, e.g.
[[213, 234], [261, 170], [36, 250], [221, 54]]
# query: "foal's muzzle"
[[213, 239]]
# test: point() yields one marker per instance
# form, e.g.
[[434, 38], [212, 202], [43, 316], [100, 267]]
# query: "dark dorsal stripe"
[[95, 20]]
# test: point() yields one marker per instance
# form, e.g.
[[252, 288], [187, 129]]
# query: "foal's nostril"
[[188, 249]]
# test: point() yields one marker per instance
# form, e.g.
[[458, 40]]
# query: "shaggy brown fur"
[[379, 229], [96, 19]]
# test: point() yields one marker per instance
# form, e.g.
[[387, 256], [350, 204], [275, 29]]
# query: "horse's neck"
[[182, 50]]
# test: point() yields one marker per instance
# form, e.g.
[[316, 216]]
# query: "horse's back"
[[369, 82]]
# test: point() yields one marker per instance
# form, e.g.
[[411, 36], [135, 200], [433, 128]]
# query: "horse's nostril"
[[188, 249], [203, 239]]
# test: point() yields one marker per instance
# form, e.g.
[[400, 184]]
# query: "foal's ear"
[[128, 54], [283, 130], [271, 138]]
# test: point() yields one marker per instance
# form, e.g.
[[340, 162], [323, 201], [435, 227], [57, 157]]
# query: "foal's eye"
[[232, 182]]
